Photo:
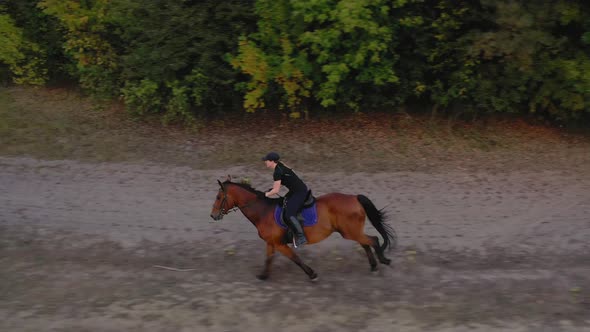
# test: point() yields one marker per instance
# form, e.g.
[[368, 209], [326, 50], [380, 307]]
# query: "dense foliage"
[[185, 58]]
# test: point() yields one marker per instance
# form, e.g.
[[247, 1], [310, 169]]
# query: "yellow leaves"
[[286, 45], [411, 21], [253, 99], [25, 58], [420, 88], [31, 72], [11, 39], [294, 82], [253, 61], [83, 21]]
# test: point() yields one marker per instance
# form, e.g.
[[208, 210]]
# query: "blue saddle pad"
[[310, 216]]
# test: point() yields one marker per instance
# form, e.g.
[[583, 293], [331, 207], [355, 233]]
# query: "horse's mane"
[[259, 194]]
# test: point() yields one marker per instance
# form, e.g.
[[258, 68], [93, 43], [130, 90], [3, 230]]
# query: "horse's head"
[[223, 203]]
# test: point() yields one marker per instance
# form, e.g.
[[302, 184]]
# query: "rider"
[[285, 176]]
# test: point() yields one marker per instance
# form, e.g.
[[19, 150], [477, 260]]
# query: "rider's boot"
[[300, 238]]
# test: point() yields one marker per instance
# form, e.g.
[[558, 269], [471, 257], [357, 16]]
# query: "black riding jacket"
[[288, 178]]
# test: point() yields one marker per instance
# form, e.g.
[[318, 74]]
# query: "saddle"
[[307, 214], [309, 202]]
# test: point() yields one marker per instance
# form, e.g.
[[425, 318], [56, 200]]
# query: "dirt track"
[[477, 251]]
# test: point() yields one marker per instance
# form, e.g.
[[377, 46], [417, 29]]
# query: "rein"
[[225, 210]]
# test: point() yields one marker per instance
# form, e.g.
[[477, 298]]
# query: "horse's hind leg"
[[270, 251], [379, 251], [371, 257], [289, 253], [356, 233], [367, 242]]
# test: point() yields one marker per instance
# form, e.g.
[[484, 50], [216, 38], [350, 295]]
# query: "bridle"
[[223, 206], [223, 209]]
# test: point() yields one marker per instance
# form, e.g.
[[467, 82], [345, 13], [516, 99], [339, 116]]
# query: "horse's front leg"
[[270, 252], [287, 251]]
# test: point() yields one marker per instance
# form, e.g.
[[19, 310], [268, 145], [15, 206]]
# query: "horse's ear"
[[228, 177], [220, 184]]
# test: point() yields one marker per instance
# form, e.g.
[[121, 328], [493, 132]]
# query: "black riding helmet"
[[272, 156]]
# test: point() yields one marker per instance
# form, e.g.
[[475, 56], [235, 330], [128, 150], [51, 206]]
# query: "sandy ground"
[[478, 251]]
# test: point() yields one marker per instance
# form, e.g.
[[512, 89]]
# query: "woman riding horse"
[[295, 198], [336, 212]]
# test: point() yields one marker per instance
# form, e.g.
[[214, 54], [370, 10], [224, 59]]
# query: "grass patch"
[[60, 124]]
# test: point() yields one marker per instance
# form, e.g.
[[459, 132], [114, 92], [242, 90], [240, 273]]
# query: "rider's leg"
[[293, 204]]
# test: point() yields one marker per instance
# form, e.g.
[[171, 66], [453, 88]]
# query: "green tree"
[[532, 59], [179, 50], [23, 59], [45, 31], [331, 51], [88, 41], [277, 69], [190, 57]]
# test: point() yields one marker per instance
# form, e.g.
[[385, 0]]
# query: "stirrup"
[[295, 242]]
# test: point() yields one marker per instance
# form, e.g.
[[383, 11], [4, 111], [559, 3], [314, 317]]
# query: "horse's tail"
[[378, 219]]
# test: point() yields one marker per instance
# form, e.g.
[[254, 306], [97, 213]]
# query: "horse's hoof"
[[262, 276], [374, 268], [314, 277], [386, 261]]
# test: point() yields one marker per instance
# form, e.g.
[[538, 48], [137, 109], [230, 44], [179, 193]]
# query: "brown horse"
[[336, 212]]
